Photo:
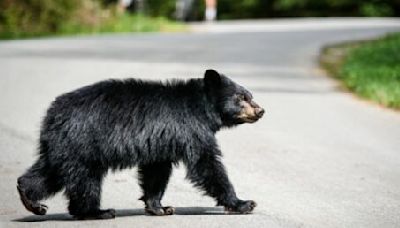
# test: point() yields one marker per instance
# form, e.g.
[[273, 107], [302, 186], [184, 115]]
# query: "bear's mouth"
[[250, 120], [247, 118]]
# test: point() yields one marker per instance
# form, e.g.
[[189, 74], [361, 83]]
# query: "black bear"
[[118, 124]]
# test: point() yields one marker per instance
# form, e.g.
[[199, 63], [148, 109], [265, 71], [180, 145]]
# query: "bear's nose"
[[259, 112]]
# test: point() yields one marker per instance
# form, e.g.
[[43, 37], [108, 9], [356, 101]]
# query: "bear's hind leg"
[[153, 181], [84, 191], [38, 183]]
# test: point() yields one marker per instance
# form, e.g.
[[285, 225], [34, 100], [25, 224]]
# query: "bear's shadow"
[[125, 213]]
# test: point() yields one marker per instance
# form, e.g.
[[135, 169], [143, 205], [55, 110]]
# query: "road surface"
[[319, 158]]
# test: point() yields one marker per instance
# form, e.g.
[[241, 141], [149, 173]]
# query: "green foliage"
[[372, 70], [289, 8], [21, 17], [335, 7], [244, 9], [376, 10], [369, 68], [24, 18], [27, 18], [124, 23], [164, 8]]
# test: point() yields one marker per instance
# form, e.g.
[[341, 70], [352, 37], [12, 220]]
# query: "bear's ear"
[[212, 79]]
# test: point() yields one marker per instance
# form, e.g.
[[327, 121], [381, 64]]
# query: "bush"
[[21, 17], [27, 18]]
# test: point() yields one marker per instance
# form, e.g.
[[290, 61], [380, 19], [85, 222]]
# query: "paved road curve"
[[319, 158]]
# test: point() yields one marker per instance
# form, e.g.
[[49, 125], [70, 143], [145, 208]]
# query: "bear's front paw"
[[243, 207]]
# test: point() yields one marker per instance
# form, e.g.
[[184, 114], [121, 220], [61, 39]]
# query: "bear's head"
[[233, 102]]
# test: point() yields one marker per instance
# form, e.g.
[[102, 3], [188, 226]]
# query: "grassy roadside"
[[371, 69], [123, 23]]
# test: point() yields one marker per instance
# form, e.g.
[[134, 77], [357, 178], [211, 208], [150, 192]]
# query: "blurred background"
[[24, 18]]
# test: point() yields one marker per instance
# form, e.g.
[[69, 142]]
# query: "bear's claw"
[[242, 207], [159, 211]]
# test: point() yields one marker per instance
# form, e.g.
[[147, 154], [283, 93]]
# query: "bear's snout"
[[259, 112]]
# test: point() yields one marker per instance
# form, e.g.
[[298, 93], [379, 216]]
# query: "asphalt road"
[[319, 158]]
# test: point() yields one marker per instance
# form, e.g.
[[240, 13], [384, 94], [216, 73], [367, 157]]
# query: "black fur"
[[118, 124]]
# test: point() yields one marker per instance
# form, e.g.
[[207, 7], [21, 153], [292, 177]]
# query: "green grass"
[[369, 68], [123, 23]]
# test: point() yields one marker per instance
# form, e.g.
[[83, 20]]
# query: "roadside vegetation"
[[228, 9], [371, 69], [33, 18]]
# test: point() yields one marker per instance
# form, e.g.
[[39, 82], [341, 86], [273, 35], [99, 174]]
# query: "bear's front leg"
[[208, 173]]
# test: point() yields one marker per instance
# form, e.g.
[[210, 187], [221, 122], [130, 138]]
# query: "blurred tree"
[[300, 8], [244, 9], [378, 9], [337, 7], [228, 9], [160, 7]]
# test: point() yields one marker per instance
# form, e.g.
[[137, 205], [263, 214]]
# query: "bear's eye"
[[241, 97]]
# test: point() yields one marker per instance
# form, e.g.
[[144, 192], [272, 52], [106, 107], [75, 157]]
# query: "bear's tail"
[[38, 183]]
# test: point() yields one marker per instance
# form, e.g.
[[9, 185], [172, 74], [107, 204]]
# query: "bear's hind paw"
[[100, 214], [32, 206]]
